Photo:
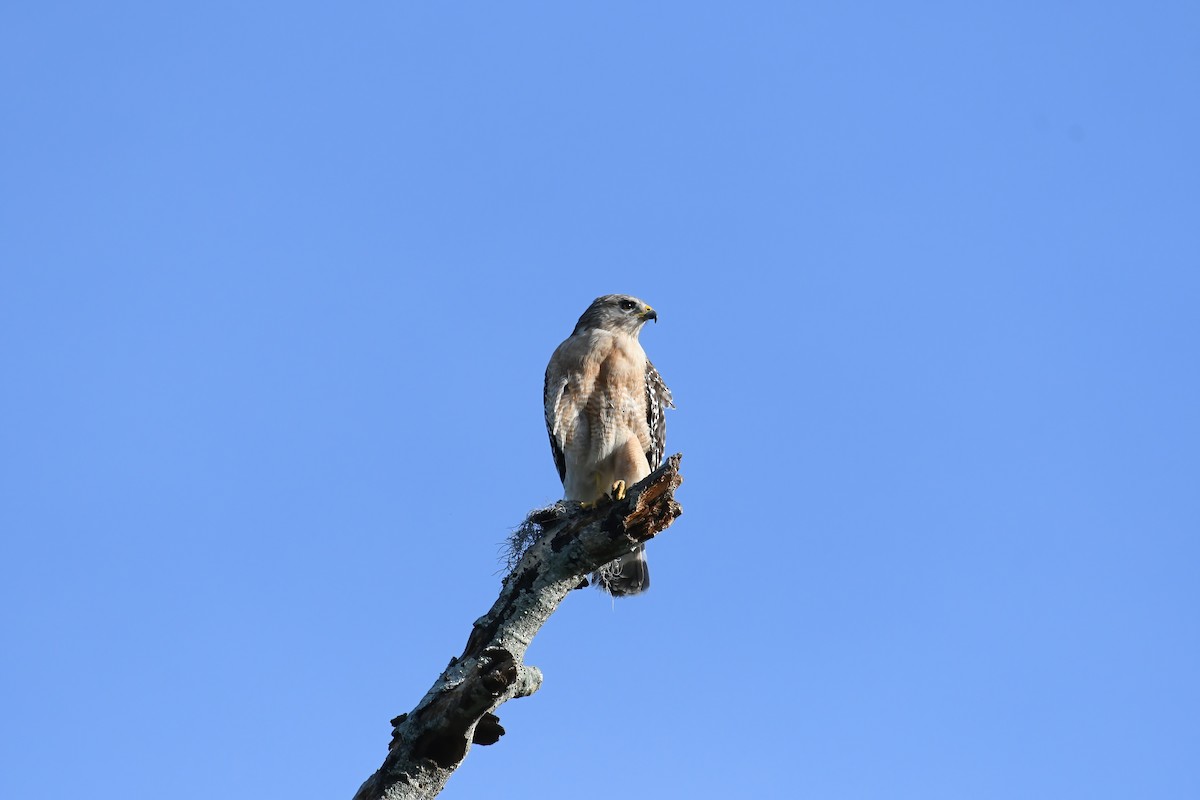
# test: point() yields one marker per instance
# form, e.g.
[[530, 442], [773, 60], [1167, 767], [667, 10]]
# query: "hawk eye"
[[627, 305]]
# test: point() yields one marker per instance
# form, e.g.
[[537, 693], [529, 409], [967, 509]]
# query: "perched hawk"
[[604, 411]]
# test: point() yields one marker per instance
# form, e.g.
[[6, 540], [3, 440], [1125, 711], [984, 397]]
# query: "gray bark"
[[431, 741]]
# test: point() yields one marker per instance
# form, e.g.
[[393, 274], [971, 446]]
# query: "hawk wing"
[[553, 389], [658, 400]]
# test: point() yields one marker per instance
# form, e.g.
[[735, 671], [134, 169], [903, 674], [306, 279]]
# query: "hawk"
[[604, 412]]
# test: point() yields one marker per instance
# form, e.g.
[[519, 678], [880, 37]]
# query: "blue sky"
[[278, 284]]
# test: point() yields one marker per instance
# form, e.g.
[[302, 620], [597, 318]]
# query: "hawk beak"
[[650, 314]]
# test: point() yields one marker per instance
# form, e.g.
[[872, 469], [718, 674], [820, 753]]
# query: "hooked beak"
[[650, 314]]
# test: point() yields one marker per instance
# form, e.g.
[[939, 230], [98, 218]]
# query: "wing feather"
[[658, 400], [552, 393]]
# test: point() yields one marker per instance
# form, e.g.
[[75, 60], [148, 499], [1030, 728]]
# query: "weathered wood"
[[430, 742]]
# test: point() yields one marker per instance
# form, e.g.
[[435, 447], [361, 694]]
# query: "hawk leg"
[[618, 490]]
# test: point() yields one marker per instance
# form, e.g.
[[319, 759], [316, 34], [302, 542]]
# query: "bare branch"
[[429, 742]]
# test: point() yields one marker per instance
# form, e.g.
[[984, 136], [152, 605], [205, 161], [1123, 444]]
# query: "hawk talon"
[[618, 490]]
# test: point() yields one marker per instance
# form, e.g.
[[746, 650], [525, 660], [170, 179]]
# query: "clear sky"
[[278, 282]]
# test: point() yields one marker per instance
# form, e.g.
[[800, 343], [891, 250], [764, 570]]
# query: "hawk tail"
[[626, 575]]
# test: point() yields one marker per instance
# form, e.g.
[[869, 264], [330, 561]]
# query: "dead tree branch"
[[430, 742]]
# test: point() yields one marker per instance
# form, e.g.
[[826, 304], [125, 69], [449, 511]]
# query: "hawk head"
[[618, 313]]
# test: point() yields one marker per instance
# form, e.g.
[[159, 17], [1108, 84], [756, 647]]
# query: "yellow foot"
[[618, 490]]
